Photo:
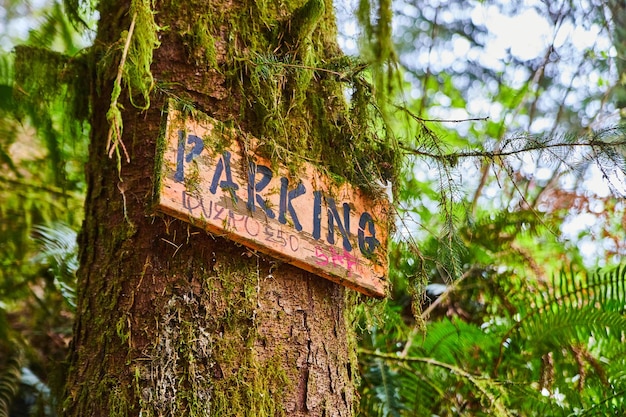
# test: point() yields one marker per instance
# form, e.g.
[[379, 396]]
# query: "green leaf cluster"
[[43, 142]]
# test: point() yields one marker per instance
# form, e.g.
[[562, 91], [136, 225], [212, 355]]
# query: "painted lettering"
[[223, 166], [179, 175], [285, 204], [322, 258], [294, 243], [317, 215], [310, 220], [343, 226], [198, 147], [274, 238], [218, 212], [255, 187], [246, 223], [336, 257], [350, 259], [232, 221], [367, 244], [199, 202]]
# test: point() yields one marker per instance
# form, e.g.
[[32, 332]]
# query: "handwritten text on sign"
[[329, 229]]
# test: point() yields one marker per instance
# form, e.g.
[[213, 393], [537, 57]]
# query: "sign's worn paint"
[[209, 177]]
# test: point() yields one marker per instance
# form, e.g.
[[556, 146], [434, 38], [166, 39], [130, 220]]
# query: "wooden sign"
[[211, 177]]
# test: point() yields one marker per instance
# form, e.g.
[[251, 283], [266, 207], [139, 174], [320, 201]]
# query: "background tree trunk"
[[617, 11], [171, 320]]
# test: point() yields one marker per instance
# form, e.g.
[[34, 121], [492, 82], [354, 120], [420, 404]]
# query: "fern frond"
[[59, 251], [381, 389], [552, 330], [491, 393], [451, 341], [11, 364]]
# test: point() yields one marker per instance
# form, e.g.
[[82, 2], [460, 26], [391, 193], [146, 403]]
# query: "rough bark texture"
[[618, 17], [173, 321]]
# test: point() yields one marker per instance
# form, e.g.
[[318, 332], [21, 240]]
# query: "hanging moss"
[[137, 76], [44, 77], [273, 66]]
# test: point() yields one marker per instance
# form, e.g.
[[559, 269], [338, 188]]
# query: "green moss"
[[254, 390], [118, 400], [200, 43], [192, 179], [272, 57], [122, 330], [135, 50], [304, 21], [137, 75]]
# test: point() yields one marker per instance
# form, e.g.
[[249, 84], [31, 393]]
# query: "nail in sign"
[[210, 177]]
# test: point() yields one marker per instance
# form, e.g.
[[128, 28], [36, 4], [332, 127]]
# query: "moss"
[[273, 55], [200, 43], [244, 384], [47, 83], [304, 21], [135, 50], [254, 390], [137, 75], [122, 330], [119, 405]]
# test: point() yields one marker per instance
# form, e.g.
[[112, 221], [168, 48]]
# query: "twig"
[[421, 119]]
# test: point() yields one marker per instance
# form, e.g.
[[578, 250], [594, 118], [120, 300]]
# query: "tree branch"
[[533, 146]]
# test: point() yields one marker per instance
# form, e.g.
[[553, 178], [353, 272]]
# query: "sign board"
[[211, 177]]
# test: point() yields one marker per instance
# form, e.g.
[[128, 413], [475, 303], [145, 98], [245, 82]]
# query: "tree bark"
[[618, 16], [173, 321]]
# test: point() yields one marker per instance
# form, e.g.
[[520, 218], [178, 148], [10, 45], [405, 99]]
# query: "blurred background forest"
[[508, 287]]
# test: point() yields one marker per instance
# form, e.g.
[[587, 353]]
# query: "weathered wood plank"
[[211, 177]]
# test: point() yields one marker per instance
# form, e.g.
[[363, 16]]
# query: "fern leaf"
[[59, 251], [10, 374]]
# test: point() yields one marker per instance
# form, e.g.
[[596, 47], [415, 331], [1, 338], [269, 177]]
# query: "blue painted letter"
[[223, 165], [254, 188], [344, 227], [317, 214], [368, 244], [285, 202]]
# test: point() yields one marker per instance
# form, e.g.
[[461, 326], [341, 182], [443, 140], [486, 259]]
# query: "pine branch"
[[533, 146]]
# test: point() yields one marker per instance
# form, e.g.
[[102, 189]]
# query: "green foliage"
[[59, 251], [562, 355], [42, 153], [10, 373]]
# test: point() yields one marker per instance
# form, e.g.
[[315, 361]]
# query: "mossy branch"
[[305, 20], [528, 144], [114, 116], [134, 71]]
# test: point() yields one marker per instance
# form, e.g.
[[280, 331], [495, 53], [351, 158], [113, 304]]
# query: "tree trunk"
[[618, 16], [173, 321]]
